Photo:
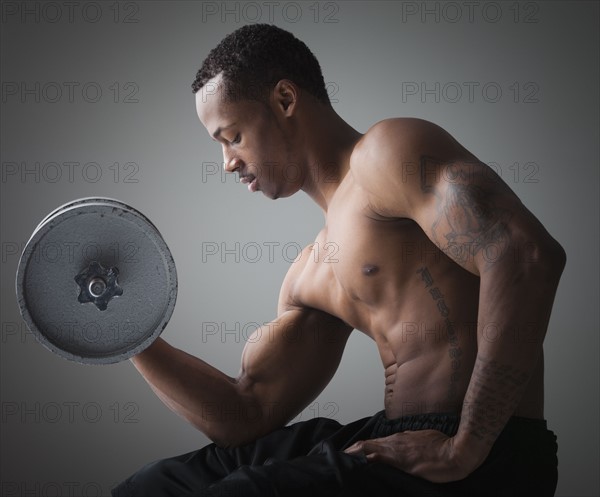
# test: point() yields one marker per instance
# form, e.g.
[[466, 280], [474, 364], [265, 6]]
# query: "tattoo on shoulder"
[[468, 222]]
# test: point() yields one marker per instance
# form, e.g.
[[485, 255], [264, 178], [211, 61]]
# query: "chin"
[[275, 196], [271, 195], [280, 193]]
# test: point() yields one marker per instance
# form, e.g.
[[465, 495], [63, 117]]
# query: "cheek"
[[268, 152], [269, 149]]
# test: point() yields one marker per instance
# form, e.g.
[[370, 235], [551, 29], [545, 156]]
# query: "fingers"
[[423, 453], [354, 449], [373, 450], [363, 445]]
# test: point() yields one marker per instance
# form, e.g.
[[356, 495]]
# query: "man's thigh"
[[194, 472], [307, 459], [522, 462]]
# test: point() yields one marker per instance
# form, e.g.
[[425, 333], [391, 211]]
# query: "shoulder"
[[289, 292], [409, 127], [392, 141], [303, 292], [386, 162]]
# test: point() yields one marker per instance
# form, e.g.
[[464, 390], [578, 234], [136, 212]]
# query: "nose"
[[231, 164]]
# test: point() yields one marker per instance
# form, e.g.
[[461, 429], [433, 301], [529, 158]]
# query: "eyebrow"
[[217, 132]]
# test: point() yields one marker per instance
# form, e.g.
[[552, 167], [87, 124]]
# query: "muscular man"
[[424, 249]]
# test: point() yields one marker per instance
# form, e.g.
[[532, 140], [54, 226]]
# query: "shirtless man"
[[424, 249]]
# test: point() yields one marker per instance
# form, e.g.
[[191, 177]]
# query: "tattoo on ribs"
[[454, 350]]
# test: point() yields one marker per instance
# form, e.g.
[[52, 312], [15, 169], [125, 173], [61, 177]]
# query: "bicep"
[[286, 363]]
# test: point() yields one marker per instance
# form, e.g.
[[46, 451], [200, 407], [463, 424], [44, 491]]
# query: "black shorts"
[[306, 459]]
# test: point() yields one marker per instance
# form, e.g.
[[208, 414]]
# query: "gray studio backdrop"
[[96, 100]]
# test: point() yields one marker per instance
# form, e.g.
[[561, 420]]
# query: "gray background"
[[76, 430]]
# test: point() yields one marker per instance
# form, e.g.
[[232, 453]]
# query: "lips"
[[249, 180]]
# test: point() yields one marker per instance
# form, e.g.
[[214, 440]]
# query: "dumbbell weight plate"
[[96, 282], [86, 200]]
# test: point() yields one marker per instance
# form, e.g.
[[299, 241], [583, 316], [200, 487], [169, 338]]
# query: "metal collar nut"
[[98, 285]]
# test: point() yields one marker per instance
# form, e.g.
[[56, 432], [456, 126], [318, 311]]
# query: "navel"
[[370, 269]]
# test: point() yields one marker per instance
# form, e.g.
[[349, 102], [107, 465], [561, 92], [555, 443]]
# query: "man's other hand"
[[429, 454]]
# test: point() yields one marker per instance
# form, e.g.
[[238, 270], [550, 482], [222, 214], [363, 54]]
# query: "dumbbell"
[[96, 283]]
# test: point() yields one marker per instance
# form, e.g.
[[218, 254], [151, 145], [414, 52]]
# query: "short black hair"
[[255, 57]]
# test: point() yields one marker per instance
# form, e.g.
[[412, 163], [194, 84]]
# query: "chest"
[[361, 262]]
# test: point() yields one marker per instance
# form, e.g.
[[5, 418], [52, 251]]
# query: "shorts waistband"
[[444, 422]]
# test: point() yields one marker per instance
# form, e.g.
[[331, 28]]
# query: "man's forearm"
[[200, 393], [514, 309]]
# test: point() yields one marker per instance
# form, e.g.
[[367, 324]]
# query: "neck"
[[328, 145]]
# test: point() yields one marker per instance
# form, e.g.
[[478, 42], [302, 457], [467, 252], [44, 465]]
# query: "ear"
[[285, 95]]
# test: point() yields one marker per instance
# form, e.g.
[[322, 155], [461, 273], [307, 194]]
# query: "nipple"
[[370, 269]]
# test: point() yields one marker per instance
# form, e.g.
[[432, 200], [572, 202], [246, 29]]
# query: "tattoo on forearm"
[[468, 222], [493, 395], [454, 350]]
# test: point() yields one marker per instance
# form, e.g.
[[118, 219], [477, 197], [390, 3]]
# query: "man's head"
[[254, 58], [258, 94]]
